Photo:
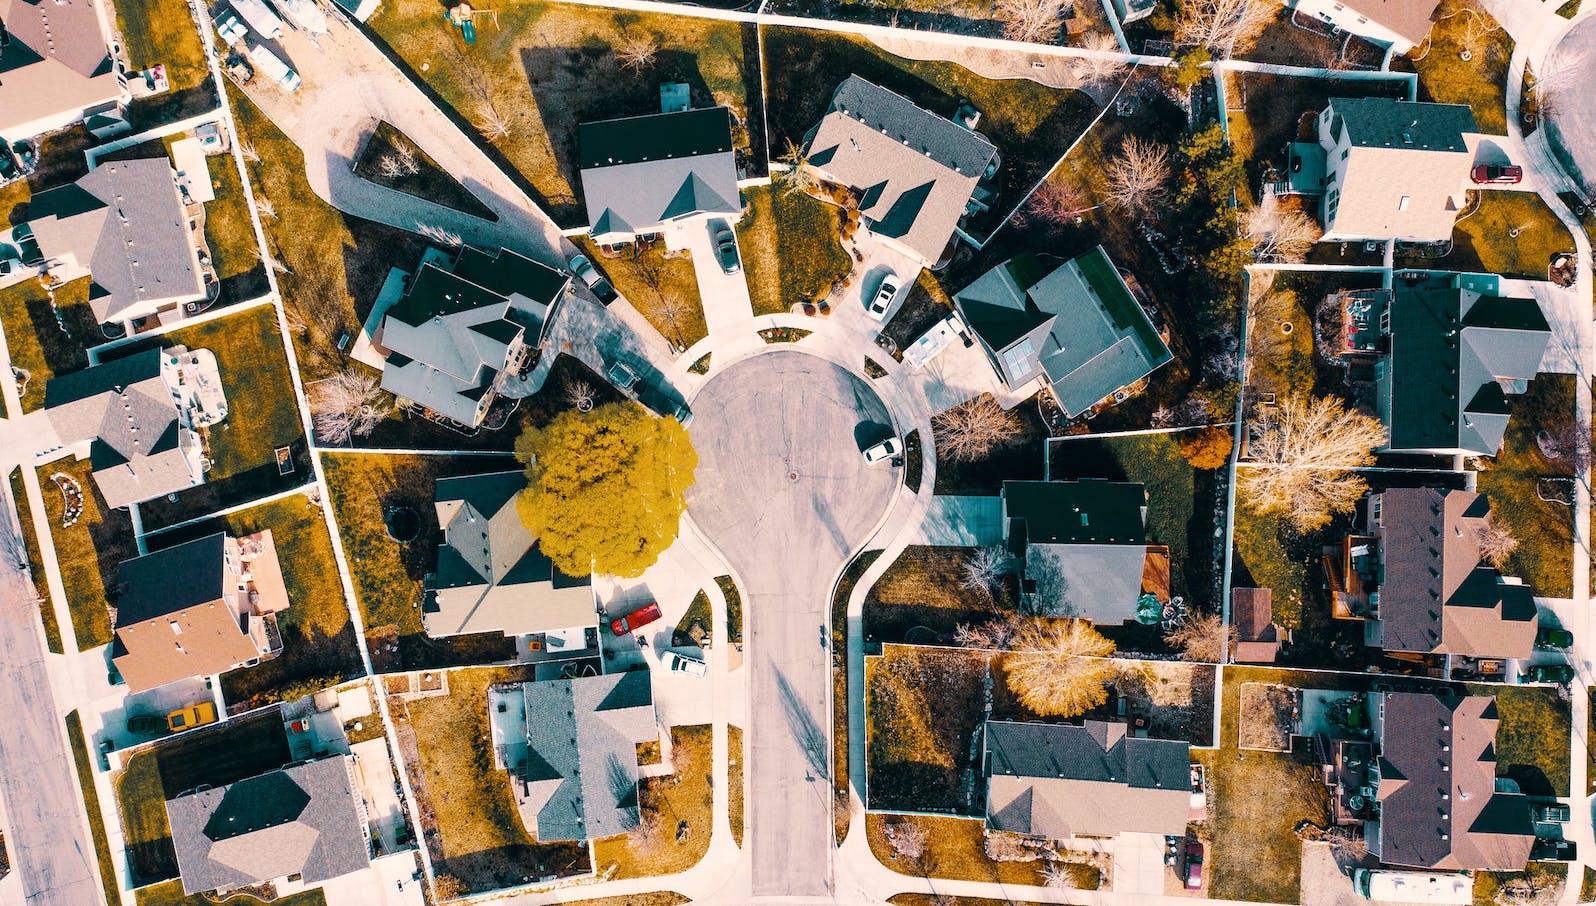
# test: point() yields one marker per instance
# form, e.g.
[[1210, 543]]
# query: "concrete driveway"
[[1139, 865], [785, 495], [1574, 117], [725, 296]]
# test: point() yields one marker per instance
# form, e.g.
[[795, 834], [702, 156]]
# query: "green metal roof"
[[435, 292], [657, 136], [1089, 511]]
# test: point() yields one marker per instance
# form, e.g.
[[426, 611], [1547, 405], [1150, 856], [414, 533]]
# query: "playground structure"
[[463, 16]]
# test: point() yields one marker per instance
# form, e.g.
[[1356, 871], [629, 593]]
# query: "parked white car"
[[883, 298], [884, 451], [681, 663]]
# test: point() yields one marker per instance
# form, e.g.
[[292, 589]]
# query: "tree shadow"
[[806, 730]]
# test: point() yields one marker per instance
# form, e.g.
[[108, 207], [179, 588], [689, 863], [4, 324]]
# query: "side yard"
[[30, 541], [37, 342], [676, 814], [1509, 233], [1465, 62], [923, 709], [142, 803], [1527, 489], [88, 550], [955, 848], [363, 488], [922, 596], [790, 249]]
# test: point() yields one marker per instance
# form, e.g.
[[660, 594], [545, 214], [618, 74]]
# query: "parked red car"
[[635, 620], [1192, 870], [1496, 174]]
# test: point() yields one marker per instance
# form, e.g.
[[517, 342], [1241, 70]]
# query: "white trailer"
[[1414, 886], [273, 67], [259, 16]]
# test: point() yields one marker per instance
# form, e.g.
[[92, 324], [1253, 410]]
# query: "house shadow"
[[508, 866]]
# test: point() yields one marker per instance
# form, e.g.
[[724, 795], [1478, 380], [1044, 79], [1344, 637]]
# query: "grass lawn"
[[468, 813], [1481, 81], [429, 182], [14, 198], [319, 647], [1277, 558], [1265, 111], [91, 798], [142, 802], [734, 778], [652, 898], [1587, 887], [88, 551], [162, 31], [1481, 240], [1568, 10], [37, 343], [1544, 528], [231, 235], [336, 263], [662, 289], [922, 709], [922, 588], [1544, 876], [30, 540], [686, 795], [790, 249], [1531, 740], [1030, 123], [387, 575], [734, 608], [1173, 489], [171, 894], [538, 68], [955, 849]]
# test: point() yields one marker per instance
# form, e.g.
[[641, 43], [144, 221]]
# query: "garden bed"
[[391, 159]]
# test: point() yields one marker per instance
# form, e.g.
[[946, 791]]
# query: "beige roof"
[[263, 574], [1408, 18], [71, 70], [1379, 178], [195, 641], [1061, 808]]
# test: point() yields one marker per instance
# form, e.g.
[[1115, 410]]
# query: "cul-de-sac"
[[783, 452]]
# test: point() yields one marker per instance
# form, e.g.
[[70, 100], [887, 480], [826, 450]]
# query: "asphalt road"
[[46, 843], [784, 493]]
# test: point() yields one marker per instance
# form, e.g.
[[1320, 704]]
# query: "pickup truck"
[[635, 620]]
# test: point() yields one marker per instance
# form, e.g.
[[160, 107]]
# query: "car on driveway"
[[685, 665], [1552, 638], [1191, 867], [885, 293], [1551, 673], [884, 451], [725, 246], [1496, 175], [589, 275], [193, 716], [635, 620]]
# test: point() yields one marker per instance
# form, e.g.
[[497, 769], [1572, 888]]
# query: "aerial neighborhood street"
[[636, 452]]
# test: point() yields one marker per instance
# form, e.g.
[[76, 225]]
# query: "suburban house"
[[1441, 805], [1256, 637], [1058, 781], [491, 576], [1415, 575], [125, 225], [1082, 544], [1071, 326], [138, 420], [641, 174], [56, 69], [302, 823], [1399, 24], [1451, 351], [570, 747], [916, 174], [1386, 169], [198, 609], [464, 326]]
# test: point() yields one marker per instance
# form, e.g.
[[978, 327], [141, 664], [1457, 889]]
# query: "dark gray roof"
[[127, 223], [1450, 343], [1089, 511], [579, 778], [1388, 123], [642, 171], [170, 580], [302, 819]]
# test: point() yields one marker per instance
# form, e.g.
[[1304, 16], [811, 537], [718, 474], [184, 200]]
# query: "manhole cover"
[[792, 475]]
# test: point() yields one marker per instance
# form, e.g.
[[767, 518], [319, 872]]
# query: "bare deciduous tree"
[[1030, 20], [1200, 637], [1301, 460], [1102, 64], [1496, 543], [637, 52], [1058, 667], [1564, 444], [799, 175], [1346, 843], [1138, 177], [1058, 876], [1279, 233], [907, 838], [581, 395], [1057, 203], [994, 635], [972, 429], [347, 405], [249, 153], [491, 123], [265, 207], [981, 570], [388, 166], [409, 163], [1230, 26]]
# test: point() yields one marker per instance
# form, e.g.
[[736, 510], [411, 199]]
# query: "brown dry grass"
[[1265, 717], [683, 797]]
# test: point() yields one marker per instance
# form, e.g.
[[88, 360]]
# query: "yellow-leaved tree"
[[605, 488]]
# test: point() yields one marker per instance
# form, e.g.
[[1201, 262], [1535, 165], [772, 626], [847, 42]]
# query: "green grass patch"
[[88, 551], [702, 365], [223, 753], [924, 589], [783, 334], [171, 894], [1514, 478], [1569, 10], [142, 801], [1482, 240], [1277, 559], [790, 249], [662, 288], [698, 614], [1492, 888], [387, 575], [163, 31], [923, 708], [1587, 887], [1463, 26], [228, 229], [1532, 738], [91, 799], [839, 687], [545, 68], [30, 540], [36, 341]]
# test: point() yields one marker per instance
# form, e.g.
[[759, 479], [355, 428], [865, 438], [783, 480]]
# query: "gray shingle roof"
[[1062, 780], [126, 222], [579, 778], [915, 170], [302, 819], [1419, 125], [1083, 542], [640, 172]]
